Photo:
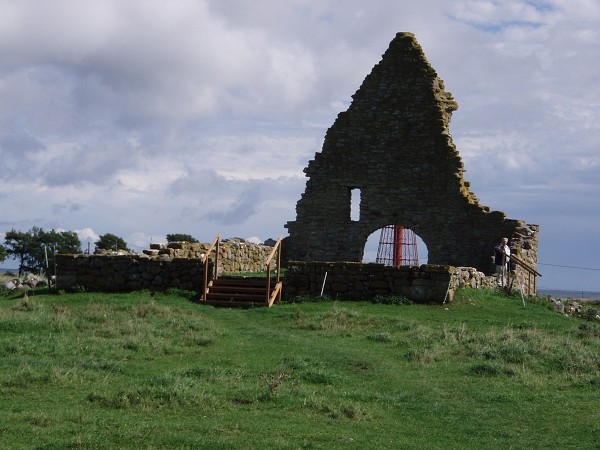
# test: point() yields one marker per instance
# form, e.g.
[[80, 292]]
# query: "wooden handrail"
[[275, 248], [525, 266], [214, 244], [530, 271], [277, 292]]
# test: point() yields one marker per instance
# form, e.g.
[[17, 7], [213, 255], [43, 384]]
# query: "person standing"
[[501, 259]]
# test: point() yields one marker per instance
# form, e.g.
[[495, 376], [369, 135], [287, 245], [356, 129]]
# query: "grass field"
[[154, 370]]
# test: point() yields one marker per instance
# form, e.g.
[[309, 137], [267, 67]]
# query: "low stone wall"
[[357, 281], [180, 266], [469, 277], [129, 272], [163, 266], [234, 256]]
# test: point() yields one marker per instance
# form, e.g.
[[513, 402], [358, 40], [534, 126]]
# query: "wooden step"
[[242, 296], [238, 291], [219, 288], [241, 282]]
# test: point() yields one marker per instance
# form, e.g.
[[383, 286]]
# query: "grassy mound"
[[155, 370]]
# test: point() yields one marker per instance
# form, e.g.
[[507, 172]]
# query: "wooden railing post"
[[214, 244], [268, 295], [530, 272], [505, 272], [217, 253], [276, 248]]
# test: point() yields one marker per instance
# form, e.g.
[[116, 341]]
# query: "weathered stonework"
[[356, 281], [394, 145], [234, 256], [122, 273], [163, 266]]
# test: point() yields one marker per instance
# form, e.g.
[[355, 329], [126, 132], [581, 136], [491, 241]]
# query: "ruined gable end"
[[393, 148]]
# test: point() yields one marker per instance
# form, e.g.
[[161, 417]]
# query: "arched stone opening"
[[373, 244]]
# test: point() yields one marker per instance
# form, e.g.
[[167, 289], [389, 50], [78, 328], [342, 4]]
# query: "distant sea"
[[557, 293]]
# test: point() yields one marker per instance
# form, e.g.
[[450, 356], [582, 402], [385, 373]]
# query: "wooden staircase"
[[242, 292]]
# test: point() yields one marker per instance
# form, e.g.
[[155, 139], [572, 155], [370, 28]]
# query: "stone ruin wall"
[[163, 266], [234, 256], [179, 265], [393, 144], [357, 281], [125, 273], [523, 242]]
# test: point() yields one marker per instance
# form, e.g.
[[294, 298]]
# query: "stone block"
[[380, 284], [339, 287]]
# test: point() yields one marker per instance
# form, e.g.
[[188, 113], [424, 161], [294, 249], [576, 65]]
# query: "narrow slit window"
[[355, 204]]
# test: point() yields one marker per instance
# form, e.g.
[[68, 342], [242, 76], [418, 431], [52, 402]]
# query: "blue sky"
[[144, 117]]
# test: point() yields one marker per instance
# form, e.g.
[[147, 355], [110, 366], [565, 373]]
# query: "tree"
[[181, 238], [53, 243], [18, 245], [33, 247], [3, 253], [111, 242]]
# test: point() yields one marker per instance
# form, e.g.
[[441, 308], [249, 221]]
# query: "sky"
[[143, 118]]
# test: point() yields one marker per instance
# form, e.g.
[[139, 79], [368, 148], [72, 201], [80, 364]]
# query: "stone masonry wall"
[[393, 145], [357, 281], [234, 256], [121, 273], [163, 266], [523, 243]]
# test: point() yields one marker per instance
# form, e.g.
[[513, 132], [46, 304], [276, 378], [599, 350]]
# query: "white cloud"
[[87, 234], [145, 117]]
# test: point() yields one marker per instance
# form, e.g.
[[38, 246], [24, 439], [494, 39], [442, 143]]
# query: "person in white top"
[[501, 259]]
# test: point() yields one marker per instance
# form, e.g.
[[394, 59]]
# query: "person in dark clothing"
[[501, 259]]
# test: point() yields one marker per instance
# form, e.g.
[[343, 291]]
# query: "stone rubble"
[[29, 281]]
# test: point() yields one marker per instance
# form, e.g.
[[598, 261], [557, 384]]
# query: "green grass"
[[144, 370]]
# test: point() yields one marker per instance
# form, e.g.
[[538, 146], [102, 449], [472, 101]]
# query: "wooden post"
[[215, 243]]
